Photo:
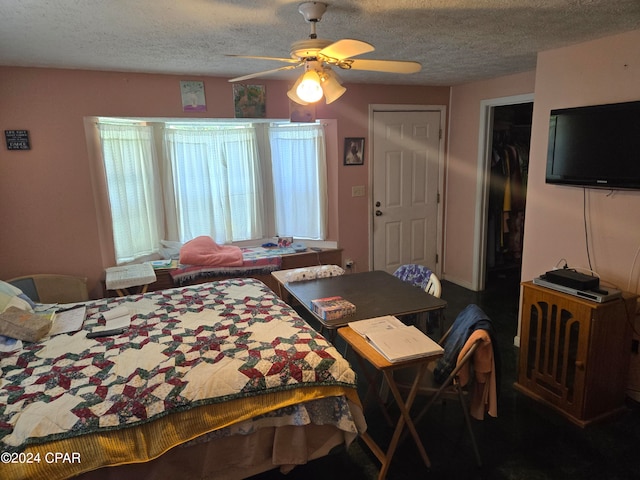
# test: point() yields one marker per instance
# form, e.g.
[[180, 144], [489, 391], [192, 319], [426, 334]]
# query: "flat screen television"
[[595, 146]]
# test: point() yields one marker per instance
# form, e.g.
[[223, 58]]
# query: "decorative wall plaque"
[[17, 139]]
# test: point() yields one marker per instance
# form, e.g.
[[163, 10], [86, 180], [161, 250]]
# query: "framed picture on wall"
[[249, 100], [302, 113], [193, 99], [354, 151]]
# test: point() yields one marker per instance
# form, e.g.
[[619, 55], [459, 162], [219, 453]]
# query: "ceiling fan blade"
[[346, 48], [261, 74], [390, 66], [278, 59]]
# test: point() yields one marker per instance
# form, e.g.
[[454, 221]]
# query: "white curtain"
[[129, 154], [220, 170], [208, 180], [299, 180]]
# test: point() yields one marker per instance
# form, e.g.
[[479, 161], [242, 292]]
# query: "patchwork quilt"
[[231, 346]]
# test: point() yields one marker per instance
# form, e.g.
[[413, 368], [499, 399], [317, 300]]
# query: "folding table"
[[365, 351]]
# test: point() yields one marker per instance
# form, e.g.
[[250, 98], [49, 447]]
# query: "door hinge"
[[437, 258], [438, 197], [440, 134]]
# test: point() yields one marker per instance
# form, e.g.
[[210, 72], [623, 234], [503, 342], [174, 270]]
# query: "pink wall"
[[46, 200], [47, 207], [462, 168], [601, 71]]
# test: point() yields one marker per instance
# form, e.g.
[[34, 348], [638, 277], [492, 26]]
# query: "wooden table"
[[365, 351], [374, 294]]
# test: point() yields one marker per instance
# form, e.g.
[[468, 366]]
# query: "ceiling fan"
[[317, 56]]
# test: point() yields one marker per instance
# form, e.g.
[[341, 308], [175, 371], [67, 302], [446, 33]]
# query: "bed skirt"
[[235, 458]]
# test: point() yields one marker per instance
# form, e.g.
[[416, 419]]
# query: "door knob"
[[378, 213], [377, 204]]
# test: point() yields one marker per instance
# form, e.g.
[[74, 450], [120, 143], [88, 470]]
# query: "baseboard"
[[463, 283]]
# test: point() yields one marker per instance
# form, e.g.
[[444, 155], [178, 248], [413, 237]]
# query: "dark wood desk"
[[374, 294]]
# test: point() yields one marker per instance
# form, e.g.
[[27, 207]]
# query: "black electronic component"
[[106, 333], [572, 279]]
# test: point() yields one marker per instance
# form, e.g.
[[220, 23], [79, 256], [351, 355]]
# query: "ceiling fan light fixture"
[[331, 86], [309, 88], [292, 92], [319, 55]]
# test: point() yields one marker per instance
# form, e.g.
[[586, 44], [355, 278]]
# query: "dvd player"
[[599, 295], [570, 278]]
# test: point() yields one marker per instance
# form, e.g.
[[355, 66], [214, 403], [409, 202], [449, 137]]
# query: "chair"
[[424, 278], [434, 287], [468, 349], [415, 274], [52, 288]]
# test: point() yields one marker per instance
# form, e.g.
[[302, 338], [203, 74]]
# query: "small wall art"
[[249, 100], [302, 113], [193, 99], [17, 139], [354, 151]]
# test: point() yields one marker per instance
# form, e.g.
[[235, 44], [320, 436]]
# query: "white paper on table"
[[365, 327], [405, 343]]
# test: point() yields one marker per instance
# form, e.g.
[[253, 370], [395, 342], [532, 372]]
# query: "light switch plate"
[[357, 191]]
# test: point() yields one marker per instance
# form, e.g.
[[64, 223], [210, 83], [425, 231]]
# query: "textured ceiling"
[[456, 41]]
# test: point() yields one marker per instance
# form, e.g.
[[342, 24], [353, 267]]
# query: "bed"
[[218, 380]]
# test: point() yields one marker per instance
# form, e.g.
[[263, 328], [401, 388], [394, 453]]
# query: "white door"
[[406, 161]]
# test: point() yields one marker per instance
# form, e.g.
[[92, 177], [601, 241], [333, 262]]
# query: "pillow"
[[11, 295], [299, 275], [9, 289], [170, 249], [311, 273], [324, 271], [7, 301]]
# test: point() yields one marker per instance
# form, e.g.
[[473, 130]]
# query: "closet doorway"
[[506, 206], [503, 157]]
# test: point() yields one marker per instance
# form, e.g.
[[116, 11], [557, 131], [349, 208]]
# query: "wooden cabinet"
[[574, 353]]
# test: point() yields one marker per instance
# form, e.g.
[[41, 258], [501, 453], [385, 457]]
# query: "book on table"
[[332, 308], [396, 341]]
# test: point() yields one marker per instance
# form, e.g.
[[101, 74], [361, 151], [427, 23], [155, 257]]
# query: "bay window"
[[233, 182]]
